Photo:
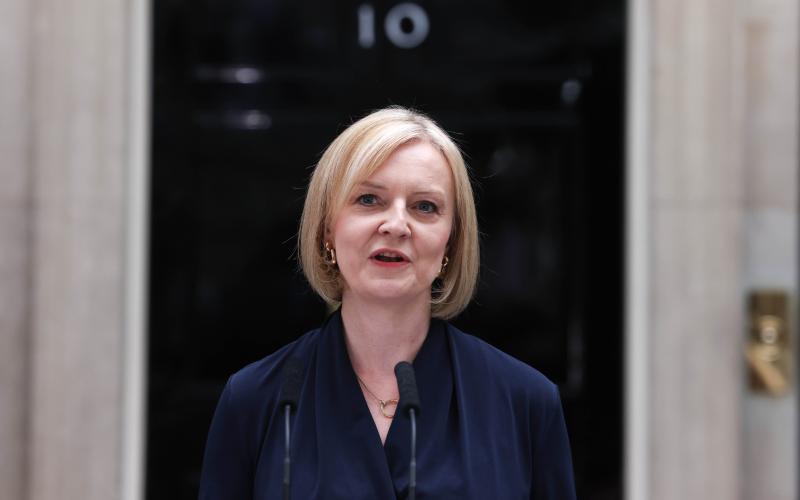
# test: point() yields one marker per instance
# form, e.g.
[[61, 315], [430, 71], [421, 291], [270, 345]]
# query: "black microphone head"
[[292, 382], [407, 384]]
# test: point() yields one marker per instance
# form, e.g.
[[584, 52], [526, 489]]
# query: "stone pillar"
[[686, 229], [15, 213], [71, 222], [712, 204], [771, 36]]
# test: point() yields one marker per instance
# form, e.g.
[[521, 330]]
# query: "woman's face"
[[391, 235]]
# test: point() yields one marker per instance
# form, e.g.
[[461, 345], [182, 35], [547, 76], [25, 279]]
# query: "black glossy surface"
[[247, 94]]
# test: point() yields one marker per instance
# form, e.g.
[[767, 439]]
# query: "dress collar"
[[343, 414]]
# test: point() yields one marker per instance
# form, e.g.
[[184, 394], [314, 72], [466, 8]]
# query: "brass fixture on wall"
[[768, 350]]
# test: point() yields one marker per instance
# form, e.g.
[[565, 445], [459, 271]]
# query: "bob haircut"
[[349, 160]]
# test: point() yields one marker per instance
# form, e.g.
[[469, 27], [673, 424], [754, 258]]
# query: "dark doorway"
[[247, 94]]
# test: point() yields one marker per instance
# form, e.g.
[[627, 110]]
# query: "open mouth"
[[389, 256]]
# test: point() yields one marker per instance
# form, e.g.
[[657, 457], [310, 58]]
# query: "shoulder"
[[260, 381], [501, 370]]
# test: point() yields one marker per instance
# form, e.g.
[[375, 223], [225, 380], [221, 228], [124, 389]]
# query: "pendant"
[[386, 403]]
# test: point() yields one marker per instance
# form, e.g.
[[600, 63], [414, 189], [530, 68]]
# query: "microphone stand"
[[290, 394], [409, 404], [412, 467], [287, 461]]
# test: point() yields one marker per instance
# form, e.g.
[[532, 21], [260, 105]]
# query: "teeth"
[[389, 256]]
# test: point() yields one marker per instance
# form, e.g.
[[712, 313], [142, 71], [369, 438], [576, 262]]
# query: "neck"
[[379, 334]]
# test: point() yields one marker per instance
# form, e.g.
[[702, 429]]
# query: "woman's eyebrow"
[[373, 185], [429, 192]]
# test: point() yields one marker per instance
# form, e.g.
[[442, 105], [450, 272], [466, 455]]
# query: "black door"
[[248, 93]]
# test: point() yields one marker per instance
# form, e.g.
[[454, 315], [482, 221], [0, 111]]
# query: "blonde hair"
[[350, 159]]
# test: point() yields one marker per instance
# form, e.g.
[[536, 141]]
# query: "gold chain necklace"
[[383, 403]]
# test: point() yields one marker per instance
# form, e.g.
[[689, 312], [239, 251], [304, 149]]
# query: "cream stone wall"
[[712, 214], [690, 225], [15, 203], [70, 201], [771, 58]]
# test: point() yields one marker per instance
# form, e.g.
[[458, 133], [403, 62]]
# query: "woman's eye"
[[427, 207], [367, 199]]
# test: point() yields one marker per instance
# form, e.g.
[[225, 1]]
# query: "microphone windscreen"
[[292, 383], [407, 385]]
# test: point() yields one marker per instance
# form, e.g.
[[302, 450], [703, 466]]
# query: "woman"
[[389, 233]]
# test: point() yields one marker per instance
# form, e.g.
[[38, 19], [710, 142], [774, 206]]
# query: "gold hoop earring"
[[445, 261], [330, 254]]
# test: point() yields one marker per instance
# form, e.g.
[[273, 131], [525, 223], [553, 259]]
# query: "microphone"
[[290, 393], [409, 405]]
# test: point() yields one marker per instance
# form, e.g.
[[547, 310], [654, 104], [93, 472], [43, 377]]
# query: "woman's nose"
[[396, 222]]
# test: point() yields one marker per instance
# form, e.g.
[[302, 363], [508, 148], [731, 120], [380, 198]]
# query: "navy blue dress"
[[490, 426]]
